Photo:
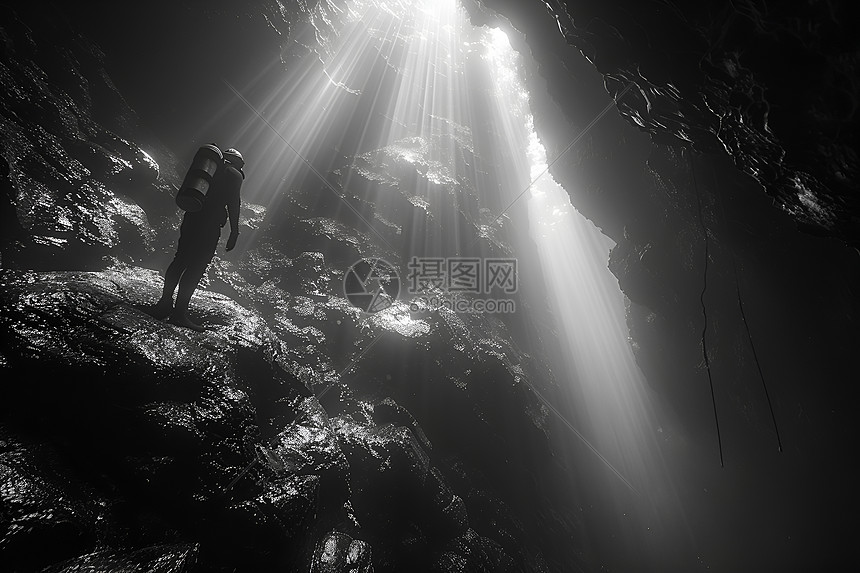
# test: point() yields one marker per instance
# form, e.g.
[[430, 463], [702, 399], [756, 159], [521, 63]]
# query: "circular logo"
[[371, 284]]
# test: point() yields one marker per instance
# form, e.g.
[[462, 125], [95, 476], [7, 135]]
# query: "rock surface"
[[217, 434]]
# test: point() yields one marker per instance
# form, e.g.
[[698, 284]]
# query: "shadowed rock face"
[[727, 177], [160, 559], [772, 86], [74, 190], [735, 127], [216, 437]]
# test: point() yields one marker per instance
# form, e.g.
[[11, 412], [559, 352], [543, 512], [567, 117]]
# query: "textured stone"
[[471, 553], [45, 517], [158, 559], [339, 553]]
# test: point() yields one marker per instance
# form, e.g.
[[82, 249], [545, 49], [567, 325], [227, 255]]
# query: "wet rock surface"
[[41, 508], [159, 559], [219, 440], [76, 190]]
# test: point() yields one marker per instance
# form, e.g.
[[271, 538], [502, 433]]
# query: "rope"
[[705, 313], [747, 326]]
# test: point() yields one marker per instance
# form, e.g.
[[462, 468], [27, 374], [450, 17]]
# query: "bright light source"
[[500, 40]]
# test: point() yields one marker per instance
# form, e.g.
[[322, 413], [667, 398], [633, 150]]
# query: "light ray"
[[608, 397], [412, 84]]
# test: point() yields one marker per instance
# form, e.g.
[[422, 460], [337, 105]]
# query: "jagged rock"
[[257, 526], [44, 517], [477, 381], [381, 453], [344, 244], [388, 472], [158, 559], [472, 553], [304, 274], [309, 445], [390, 412], [448, 516], [339, 553], [78, 189], [170, 414]]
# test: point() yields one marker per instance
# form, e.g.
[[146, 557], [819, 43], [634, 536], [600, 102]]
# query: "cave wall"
[[689, 152], [770, 85], [726, 175]]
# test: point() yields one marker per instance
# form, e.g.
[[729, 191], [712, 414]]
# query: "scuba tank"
[[192, 193]]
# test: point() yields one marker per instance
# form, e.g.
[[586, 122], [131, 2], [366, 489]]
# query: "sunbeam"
[[607, 395], [414, 83]]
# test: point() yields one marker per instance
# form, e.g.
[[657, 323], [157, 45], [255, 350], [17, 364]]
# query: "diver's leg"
[[164, 306], [171, 278], [187, 285]]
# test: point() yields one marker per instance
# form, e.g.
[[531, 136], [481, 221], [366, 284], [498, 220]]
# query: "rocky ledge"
[[130, 444]]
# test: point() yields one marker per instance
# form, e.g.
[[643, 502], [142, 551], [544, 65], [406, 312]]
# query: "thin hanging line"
[[746, 324], [758, 366], [308, 163], [705, 311]]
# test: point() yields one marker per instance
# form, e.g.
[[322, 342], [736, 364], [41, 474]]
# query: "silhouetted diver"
[[198, 239]]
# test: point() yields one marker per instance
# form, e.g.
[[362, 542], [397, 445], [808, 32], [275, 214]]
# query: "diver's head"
[[235, 158]]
